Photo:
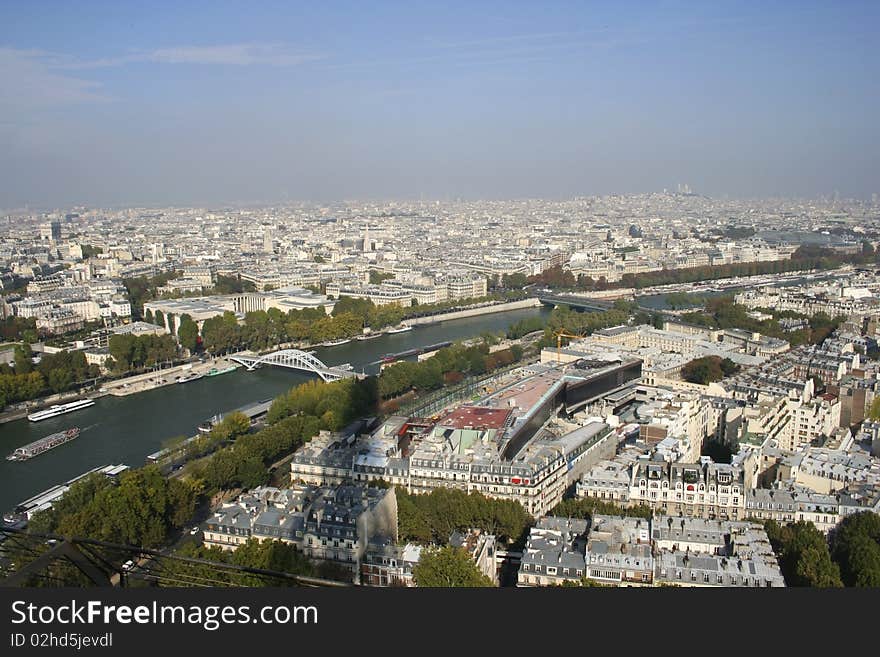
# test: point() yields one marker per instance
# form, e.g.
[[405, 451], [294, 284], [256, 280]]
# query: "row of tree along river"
[[126, 429]]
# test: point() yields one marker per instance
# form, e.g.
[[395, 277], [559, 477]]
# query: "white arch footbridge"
[[295, 359]]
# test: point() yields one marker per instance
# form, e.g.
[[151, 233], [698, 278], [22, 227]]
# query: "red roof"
[[476, 417]]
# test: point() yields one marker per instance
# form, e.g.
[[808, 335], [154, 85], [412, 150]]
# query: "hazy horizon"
[[106, 104], [269, 203]]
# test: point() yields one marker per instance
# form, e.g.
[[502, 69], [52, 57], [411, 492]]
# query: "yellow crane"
[[563, 334]]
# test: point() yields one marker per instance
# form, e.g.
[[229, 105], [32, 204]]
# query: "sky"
[[188, 103]]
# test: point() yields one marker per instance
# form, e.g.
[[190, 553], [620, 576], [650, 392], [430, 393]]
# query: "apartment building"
[[704, 490], [554, 553], [326, 523], [663, 550], [466, 287], [695, 552], [380, 295], [388, 564], [803, 302]]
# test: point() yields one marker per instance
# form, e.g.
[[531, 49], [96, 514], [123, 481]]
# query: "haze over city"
[[421, 295], [111, 104]]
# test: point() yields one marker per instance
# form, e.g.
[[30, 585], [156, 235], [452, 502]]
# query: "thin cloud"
[[27, 82], [242, 54]]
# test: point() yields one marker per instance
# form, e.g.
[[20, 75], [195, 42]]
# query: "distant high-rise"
[[51, 231], [367, 245], [157, 249], [268, 240]]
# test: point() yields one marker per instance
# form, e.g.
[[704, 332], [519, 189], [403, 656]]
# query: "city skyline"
[[108, 106]]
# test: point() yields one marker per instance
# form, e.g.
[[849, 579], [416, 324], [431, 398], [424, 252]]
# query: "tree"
[[586, 507], [271, 555], [705, 370], [431, 518], [803, 554], [232, 285], [448, 567], [514, 281], [188, 333], [60, 379], [874, 411], [24, 359], [376, 276], [856, 547], [141, 510], [233, 425], [142, 289], [221, 333]]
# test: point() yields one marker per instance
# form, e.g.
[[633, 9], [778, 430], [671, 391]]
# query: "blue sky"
[[203, 103]]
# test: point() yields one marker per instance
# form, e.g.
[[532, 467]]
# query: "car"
[[195, 530], [128, 565]]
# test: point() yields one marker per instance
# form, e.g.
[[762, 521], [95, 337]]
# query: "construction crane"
[[563, 334]]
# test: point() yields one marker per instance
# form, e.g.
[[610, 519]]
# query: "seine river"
[[126, 429]]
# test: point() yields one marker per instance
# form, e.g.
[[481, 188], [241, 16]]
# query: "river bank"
[[169, 376], [151, 380], [125, 429]]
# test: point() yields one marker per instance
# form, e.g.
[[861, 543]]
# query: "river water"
[[127, 429]]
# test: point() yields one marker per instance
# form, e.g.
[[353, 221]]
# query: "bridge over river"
[[578, 303], [296, 359]]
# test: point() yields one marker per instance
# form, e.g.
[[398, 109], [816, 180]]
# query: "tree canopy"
[[431, 518], [188, 333], [708, 369], [856, 547], [803, 554], [448, 567]]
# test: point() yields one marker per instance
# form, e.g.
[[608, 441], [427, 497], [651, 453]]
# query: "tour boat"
[[215, 372], [43, 445], [60, 409]]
